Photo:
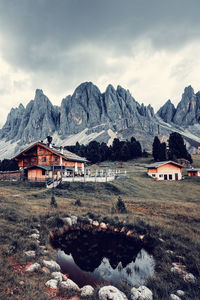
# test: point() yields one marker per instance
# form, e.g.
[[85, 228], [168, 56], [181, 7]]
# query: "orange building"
[[165, 170], [41, 161], [193, 172]]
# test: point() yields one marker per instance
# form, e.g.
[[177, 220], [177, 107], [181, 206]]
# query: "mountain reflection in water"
[[133, 273]]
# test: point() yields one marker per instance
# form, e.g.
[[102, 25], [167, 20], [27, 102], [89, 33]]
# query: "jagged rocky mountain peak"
[[188, 92], [92, 115], [167, 111]]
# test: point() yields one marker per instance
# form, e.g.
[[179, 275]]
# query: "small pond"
[[133, 273], [91, 255]]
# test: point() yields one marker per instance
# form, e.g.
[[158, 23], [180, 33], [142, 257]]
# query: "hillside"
[[168, 211]]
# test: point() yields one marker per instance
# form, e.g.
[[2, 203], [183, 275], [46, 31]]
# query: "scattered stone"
[[33, 267], [74, 220], [52, 265], [87, 291], [103, 226], [45, 270], [178, 268], [161, 240], [52, 283], [170, 251], [95, 223], [111, 293], [30, 253], [70, 285], [43, 247], [141, 293], [57, 276], [35, 231], [35, 236], [189, 277], [68, 221], [174, 297], [141, 237], [180, 293], [21, 282]]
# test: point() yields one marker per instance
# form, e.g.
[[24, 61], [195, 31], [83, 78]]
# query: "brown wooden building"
[[42, 161], [193, 172]]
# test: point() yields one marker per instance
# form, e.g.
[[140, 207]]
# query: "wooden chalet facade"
[[42, 161], [165, 170]]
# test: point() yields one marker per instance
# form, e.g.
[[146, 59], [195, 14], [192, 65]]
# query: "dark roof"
[[161, 163], [66, 154], [47, 168], [193, 170]]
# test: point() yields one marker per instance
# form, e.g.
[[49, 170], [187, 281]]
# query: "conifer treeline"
[[98, 152], [176, 148]]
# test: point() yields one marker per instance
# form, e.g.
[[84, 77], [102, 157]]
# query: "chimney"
[[49, 141], [61, 149]]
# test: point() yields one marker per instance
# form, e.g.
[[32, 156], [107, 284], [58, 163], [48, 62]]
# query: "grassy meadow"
[[169, 211]]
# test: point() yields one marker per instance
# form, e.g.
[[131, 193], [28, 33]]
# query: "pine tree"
[[177, 148], [156, 148]]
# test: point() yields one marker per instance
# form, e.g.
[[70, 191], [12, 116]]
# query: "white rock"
[[30, 253], [35, 231], [174, 297], [70, 285], [74, 220], [52, 265], [180, 293], [103, 225], [34, 267], [189, 277], [111, 293], [35, 236], [95, 223], [57, 276], [87, 291], [68, 220], [141, 293], [52, 283]]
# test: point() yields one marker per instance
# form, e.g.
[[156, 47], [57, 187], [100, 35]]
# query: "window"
[[161, 175], [165, 176], [153, 175], [170, 176], [43, 159], [32, 159], [55, 159], [43, 172]]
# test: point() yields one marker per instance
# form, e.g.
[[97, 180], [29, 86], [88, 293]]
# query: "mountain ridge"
[[88, 115]]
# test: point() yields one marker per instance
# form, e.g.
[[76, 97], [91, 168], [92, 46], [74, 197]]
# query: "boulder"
[[87, 291], [68, 221], [70, 285], [52, 283], [74, 220], [30, 253], [141, 293], [35, 236], [57, 276], [111, 293], [52, 265], [180, 293], [189, 277], [174, 297], [33, 267]]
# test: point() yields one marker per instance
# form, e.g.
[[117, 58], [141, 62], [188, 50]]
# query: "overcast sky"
[[151, 47]]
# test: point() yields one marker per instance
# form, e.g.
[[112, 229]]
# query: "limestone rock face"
[[39, 119], [167, 111], [187, 112], [141, 293], [111, 293]]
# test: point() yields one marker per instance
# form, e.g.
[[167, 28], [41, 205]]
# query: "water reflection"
[[133, 273]]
